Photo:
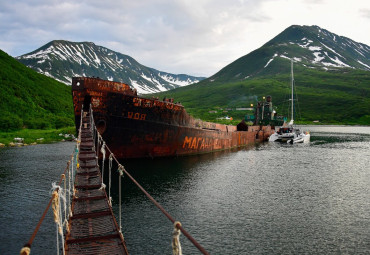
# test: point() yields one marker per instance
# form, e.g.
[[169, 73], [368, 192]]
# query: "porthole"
[[101, 125]]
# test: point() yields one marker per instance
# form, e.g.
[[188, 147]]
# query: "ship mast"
[[291, 73]]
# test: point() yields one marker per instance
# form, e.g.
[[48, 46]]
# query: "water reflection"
[[26, 175]]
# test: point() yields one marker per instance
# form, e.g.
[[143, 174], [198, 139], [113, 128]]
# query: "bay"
[[265, 199]]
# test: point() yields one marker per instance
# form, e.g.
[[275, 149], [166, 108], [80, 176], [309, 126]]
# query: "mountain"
[[331, 73], [31, 100], [330, 94], [62, 60], [309, 46]]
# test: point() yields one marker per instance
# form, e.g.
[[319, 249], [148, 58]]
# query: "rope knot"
[[177, 224], [103, 149], [176, 246], [121, 168], [55, 206], [25, 251]]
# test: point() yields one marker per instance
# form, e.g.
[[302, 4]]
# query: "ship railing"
[[100, 143]]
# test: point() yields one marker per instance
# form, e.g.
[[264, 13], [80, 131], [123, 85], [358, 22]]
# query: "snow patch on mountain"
[[332, 50], [314, 48], [331, 57], [138, 87], [318, 58], [268, 62], [336, 60], [63, 60], [176, 81], [283, 56], [363, 64]]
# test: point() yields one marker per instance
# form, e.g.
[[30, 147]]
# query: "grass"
[[330, 97], [29, 100], [32, 106], [34, 135]]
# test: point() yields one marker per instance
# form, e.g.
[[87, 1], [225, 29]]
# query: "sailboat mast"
[[291, 73]]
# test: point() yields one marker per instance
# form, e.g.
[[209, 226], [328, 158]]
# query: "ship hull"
[[138, 139], [135, 127]]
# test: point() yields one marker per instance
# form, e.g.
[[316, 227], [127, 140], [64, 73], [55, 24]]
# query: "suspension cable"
[[110, 177], [191, 239], [178, 225], [30, 241], [27, 247]]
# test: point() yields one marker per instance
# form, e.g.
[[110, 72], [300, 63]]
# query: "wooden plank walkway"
[[93, 227]]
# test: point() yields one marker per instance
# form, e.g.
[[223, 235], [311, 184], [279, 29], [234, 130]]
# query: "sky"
[[195, 37]]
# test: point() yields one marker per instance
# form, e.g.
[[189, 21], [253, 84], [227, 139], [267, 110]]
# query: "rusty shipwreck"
[[137, 127]]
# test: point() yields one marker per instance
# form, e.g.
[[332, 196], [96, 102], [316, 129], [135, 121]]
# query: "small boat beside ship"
[[289, 133], [138, 127]]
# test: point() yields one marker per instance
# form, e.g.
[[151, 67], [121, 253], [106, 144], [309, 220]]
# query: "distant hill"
[[62, 60], [31, 100], [332, 77], [309, 46]]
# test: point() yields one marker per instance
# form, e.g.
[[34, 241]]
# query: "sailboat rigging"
[[288, 132]]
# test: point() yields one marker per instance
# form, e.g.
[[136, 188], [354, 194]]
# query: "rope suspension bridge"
[[82, 209]]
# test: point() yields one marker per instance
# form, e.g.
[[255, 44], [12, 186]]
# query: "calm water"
[[270, 199]]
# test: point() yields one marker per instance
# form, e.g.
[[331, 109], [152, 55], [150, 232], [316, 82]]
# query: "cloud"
[[365, 13], [197, 34], [197, 37]]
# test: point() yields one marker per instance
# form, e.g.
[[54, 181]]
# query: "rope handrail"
[[26, 248], [176, 223]]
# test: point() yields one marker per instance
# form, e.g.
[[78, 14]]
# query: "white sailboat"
[[288, 132]]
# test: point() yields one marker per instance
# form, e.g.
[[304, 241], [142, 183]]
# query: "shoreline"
[[27, 137], [40, 136]]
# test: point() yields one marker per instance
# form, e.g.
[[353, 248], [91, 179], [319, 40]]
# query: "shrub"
[[10, 122], [61, 122], [37, 123]]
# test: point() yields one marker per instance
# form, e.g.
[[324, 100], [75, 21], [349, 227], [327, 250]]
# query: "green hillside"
[[31, 100], [331, 72], [332, 97]]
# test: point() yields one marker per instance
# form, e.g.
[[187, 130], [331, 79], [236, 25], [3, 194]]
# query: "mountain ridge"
[[332, 94], [308, 46], [329, 91], [61, 60]]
